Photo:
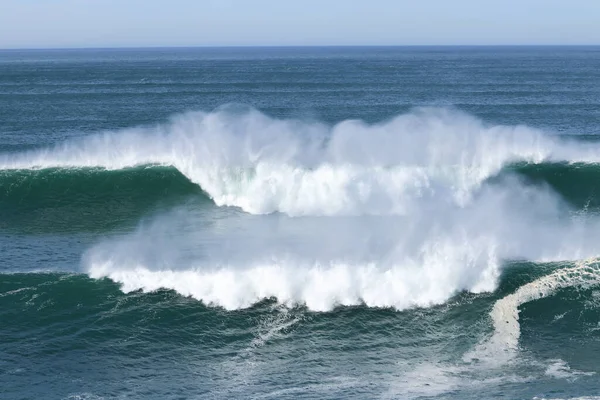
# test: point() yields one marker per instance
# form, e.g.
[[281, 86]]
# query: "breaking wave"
[[419, 207], [264, 165]]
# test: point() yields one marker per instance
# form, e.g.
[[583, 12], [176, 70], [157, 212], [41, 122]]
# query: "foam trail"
[[265, 165], [504, 342]]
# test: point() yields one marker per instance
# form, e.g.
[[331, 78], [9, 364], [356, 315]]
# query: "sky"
[[149, 23]]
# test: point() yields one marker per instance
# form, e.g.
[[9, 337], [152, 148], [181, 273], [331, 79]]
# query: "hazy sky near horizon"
[[125, 23]]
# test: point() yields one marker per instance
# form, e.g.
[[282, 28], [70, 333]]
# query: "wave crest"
[[266, 165]]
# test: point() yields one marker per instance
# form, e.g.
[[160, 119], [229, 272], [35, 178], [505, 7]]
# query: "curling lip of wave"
[[265, 165]]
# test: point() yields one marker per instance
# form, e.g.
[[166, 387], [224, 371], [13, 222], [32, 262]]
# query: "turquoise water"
[[410, 223]]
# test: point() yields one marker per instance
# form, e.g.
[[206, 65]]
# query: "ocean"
[[300, 223]]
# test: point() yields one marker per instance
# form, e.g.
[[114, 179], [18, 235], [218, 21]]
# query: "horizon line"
[[152, 47]]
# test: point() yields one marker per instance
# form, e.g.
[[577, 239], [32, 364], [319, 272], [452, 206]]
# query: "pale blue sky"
[[122, 23]]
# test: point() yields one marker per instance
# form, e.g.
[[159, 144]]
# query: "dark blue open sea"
[[300, 223]]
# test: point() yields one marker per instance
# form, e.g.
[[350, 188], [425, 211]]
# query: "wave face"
[[264, 165], [575, 182], [49, 187], [88, 199]]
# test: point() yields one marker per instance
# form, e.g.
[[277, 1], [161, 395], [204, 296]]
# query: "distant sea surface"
[[300, 223]]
